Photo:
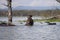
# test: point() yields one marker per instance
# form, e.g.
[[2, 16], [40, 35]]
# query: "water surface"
[[37, 32]]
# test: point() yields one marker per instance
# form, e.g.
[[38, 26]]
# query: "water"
[[37, 32]]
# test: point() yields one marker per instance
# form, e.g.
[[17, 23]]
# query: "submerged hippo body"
[[29, 21]]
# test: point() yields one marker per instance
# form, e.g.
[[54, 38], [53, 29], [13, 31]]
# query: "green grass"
[[45, 20], [53, 20]]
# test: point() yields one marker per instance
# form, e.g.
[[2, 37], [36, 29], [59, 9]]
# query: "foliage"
[[43, 13]]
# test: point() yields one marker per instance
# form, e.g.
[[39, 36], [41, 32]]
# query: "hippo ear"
[[58, 1]]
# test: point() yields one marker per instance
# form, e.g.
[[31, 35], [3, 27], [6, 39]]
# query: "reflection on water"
[[36, 32]]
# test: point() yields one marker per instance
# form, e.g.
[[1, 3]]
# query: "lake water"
[[37, 32]]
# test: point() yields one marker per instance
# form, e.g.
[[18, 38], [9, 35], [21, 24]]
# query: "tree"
[[9, 5]]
